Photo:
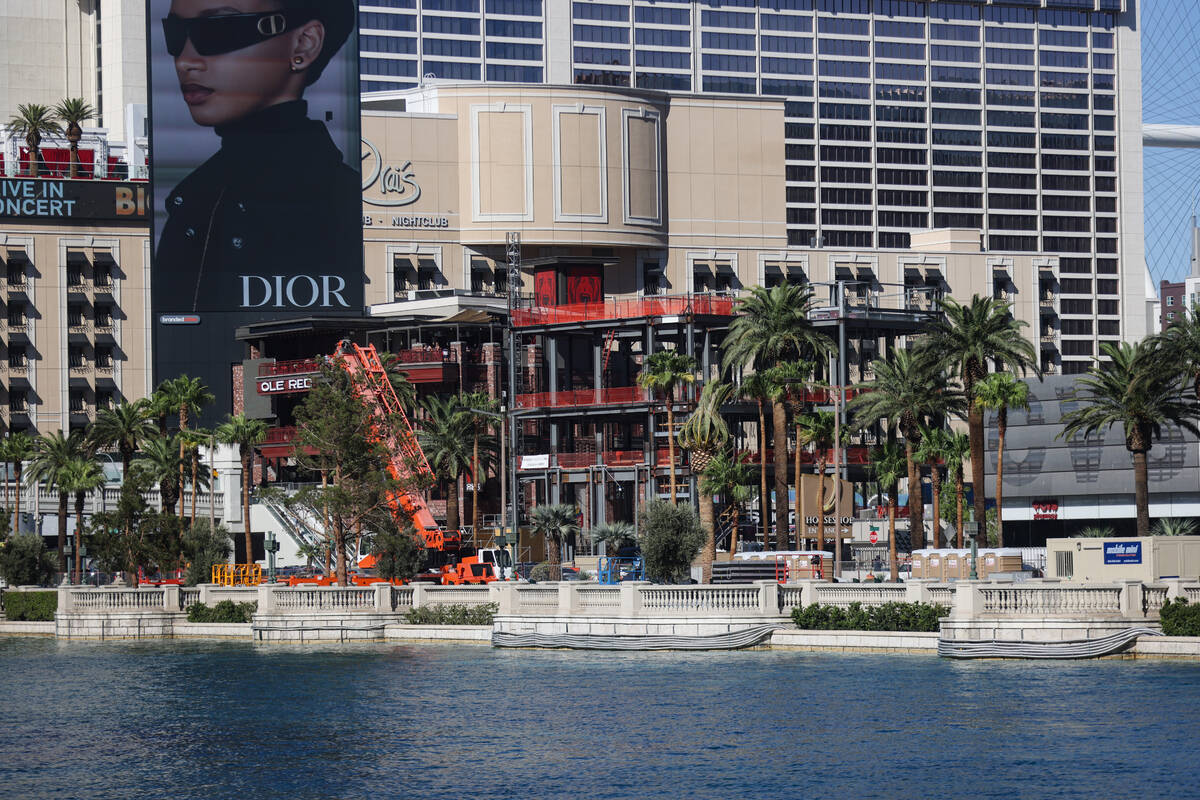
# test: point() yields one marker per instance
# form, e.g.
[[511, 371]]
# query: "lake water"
[[234, 720]]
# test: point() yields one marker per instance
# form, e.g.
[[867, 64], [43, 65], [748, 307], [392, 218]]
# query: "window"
[[955, 94], [843, 26], [516, 8], [602, 34], [899, 72], [513, 51], [512, 73], [104, 356], [845, 91], [513, 29], [943, 220], [601, 55], [1083, 307], [1010, 119], [997, 158], [957, 158], [663, 16], [1109, 308], [16, 356], [900, 30], [75, 356], [896, 155], [1008, 55], [74, 274], [455, 48], [902, 177], [853, 48], [958, 199], [103, 316], [1004, 97], [658, 37], [74, 316], [1011, 180], [601, 11], [1076, 347], [1077, 327], [1015, 202], [461, 26], [18, 402], [904, 94], [1008, 35], [957, 178], [861, 155], [727, 19], [901, 135], [846, 174]]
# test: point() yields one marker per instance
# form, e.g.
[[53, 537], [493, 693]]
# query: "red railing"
[[431, 356], [300, 367], [583, 397], [625, 309], [614, 458], [283, 435]]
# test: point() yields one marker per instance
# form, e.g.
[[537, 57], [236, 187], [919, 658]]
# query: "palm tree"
[[159, 461], [194, 439], [1181, 344], [908, 391], [246, 434], [481, 411], [958, 449], [703, 435], [51, 460], [817, 429], [793, 378], [80, 476], [73, 111], [1175, 526], [124, 426], [934, 443], [730, 479], [661, 373], [759, 387], [889, 463], [618, 534], [18, 448], [1000, 391], [161, 405], [966, 341], [185, 394], [406, 392], [446, 439], [1137, 389], [33, 121], [772, 326], [557, 523]]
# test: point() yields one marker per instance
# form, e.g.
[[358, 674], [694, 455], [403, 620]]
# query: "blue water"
[[233, 720]]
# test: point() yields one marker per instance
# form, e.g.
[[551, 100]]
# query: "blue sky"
[[1170, 93]]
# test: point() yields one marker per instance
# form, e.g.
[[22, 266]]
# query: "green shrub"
[[671, 537], [541, 572], [1179, 618], [909, 617], [202, 548], [24, 561], [30, 606], [223, 612], [457, 614]]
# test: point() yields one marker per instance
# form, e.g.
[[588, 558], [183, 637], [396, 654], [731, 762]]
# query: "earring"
[[296, 62]]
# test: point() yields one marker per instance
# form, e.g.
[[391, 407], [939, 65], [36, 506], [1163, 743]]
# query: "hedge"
[[452, 615], [908, 617], [1178, 618], [30, 606], [225, 611]]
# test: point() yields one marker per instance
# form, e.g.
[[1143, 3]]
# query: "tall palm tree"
[[958, 450], [125, 427], [1000, 391], [703, 435], [556, 523], [194, 439], [33, 121], [967, 340], [74, 111], [406, 391], [730, 479], [1142, 392], [80, 476], [161, 406], [817, 430], [662, 373], [50, 463], [246, 434], [934, 443], [759, 387], [18, 448], [794, 378], [908, 391], [480, 410], [1181, 343], [772, 326], [160, 462], [186, 395], [889, 464], [445, 437]]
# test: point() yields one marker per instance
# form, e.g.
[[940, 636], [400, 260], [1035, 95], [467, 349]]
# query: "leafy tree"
[[729, 478], [759, 387], [247, 434], [889, 464], [1141, 392], [1000, 391], [661, 374], [32, 122], [81, 475], [445, 436], [934, 443], [397, 556], [967, 340], [203, 548], [24, 560], [817, 429], [909, 390], [671, 537], [51, 461], [17, 448], [771, 327], [133, 535], [703, 435], [74, 111], [557, 523]]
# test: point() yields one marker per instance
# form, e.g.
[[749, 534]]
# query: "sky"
[[1170, 93]]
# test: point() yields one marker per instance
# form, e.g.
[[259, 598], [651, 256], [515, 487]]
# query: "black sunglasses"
[[225, 33]]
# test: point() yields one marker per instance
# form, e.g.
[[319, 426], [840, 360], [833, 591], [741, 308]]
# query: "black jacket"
[[275, 202]]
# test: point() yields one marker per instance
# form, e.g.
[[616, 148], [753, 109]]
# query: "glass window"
[[455, 48], [900, 30], [911, 51], [462, 26], [392, 67], [513, 29], [785, 44], [1062, 58], [601, 11], [664, 81], [512, 73], [660, 15], [369, 43], [727, 41], [955, 116], [899, 72], [953, 33], [786, 66], [667, 59], [511, 51], [464, 6], [601, 55], [902, 177], [662, 38], [899, 94], [728, 84], [955, 94], [844, 26], [725, 63], [1005, 97], [784, 22], [957, 158], [1010, 119], [371, 20], [1010, 77], [845, 69], [940, 73], [948, 52], [726, 19], [516, 8], [1008, 35], [452, 69], [1008, 55], [605, 34]]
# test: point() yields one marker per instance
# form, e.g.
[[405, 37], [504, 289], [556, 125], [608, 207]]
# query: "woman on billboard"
[[272, 221]]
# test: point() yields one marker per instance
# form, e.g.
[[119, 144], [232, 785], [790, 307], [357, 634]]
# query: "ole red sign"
[[284, 385]]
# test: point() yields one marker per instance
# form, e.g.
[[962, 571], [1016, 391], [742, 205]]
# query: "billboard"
[[255, 172], [35, 199]]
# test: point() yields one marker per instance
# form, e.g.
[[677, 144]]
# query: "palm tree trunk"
[[475, 485], [708, 523], [779, 426], [62, 531], [935, 477], [554, 557], [183, 421], [671, 445], [763, 509], [195, 469], [800, 526], [246, 478], [1002, 424], [78, 536], [73, 168], [452, 516], [1141, 492], [975, 433], [7, 505], [18, 468], [892, 556], [821, 499], [733, 537], [916, 524], [958, 499]]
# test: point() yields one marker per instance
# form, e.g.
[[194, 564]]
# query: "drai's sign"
[[281, 385], [406, 221], [397, 186]]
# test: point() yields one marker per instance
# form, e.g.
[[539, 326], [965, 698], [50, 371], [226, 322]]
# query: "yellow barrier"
[[236, 574]]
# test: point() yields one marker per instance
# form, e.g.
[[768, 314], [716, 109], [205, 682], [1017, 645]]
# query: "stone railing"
[[867, 594], [307, 599], [116, 599], [1049, 600], [674, 600]]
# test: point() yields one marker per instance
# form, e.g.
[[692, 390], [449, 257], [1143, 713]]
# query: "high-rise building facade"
[[1021, 119]]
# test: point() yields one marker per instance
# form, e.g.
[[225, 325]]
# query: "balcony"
[[280, 442], [623, 395], [609, 458], [634, 308], [303, 366]]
